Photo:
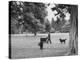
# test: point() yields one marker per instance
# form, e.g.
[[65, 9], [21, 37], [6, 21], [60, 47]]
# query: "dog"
[[62, 40], [44, 39]]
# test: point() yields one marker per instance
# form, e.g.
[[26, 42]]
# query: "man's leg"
[[50, 41]]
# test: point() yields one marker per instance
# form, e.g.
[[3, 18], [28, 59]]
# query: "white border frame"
[[4, 39]]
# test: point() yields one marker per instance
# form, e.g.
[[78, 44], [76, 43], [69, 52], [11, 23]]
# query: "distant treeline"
[[29, 17]]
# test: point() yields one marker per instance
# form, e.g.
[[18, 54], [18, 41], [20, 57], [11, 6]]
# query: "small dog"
[[62, 40]]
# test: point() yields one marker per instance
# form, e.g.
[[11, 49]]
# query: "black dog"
[[62, 40], [42, 40]]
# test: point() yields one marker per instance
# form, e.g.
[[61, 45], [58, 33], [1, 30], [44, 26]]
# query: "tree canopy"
[[30, 17]]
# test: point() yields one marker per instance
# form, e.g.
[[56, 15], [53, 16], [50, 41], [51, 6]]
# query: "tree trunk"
[[74, 31]]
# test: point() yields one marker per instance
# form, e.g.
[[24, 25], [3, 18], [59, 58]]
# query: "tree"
[[16, 11], [47, 26], [26, 14], [34, 14], [63, 19], [74, 30]]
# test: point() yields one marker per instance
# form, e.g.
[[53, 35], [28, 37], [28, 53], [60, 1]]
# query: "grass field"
[[26, 46]]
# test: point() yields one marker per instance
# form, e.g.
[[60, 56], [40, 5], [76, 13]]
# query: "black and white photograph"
[[38, 29]]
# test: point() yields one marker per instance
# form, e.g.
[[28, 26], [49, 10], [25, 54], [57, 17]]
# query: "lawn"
[[26, 46]]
